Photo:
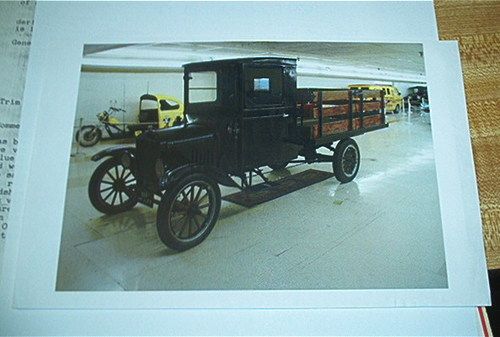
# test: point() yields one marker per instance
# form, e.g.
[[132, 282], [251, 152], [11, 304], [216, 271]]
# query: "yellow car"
[[167, 111], [393, 98]]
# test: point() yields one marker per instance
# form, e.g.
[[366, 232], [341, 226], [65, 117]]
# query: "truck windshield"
[[202, 86]]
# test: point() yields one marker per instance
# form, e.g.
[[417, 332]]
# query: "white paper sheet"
[[52, 86], [16, 25]]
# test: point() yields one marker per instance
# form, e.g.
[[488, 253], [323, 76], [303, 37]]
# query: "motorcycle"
[[155, 111], [89, 135]]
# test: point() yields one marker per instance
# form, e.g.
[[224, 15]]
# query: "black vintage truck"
[[240, 115]]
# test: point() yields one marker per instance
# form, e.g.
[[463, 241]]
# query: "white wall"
[[97, 89], [332, 82]]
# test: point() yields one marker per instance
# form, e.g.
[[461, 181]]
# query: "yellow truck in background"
[[165, 110], [393, 98]]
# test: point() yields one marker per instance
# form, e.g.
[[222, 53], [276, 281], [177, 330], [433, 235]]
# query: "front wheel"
[[346, 160], [112, 187], [188, 211], [397, 109]]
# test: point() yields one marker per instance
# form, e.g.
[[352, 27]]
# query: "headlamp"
[[126, 160]]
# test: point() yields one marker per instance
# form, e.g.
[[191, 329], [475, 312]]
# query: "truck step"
[[264, 192]]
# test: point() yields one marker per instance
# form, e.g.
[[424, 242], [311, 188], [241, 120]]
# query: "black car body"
[[239, 130], [416, 94], [240, 115]]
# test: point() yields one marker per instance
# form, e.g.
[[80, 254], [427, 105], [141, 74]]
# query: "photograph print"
[[252, 166]]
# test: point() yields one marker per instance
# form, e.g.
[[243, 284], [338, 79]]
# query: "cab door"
[[265, 115]]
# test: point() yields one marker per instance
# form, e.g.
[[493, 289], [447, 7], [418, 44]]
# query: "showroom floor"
[[380, 231]]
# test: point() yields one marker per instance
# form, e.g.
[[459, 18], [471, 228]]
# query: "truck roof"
[[254, 60]]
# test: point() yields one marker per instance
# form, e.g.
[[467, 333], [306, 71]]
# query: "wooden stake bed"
[[326, 113]]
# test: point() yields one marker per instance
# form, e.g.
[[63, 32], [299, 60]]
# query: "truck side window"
[[202, 86], [263, 86]]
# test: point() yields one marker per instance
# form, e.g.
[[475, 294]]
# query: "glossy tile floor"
[[382, 230]]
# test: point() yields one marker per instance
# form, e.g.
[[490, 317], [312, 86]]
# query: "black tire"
[[181, 219], [88, 135], [346, 160], [112, 187], [278, 167], [397, 109]]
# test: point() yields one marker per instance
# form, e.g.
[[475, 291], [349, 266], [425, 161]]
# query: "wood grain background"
[[476, 25]]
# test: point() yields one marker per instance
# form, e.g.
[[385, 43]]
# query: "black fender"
[[180, 172], [114, 151]]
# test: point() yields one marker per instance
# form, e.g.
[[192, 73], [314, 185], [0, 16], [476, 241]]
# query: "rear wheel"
[[346, 160], [112, 187], [88, 135], [188, 211]]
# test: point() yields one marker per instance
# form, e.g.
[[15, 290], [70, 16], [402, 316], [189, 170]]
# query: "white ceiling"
[[396, 61]]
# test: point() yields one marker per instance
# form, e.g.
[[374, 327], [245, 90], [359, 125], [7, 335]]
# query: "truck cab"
[[247, 104]]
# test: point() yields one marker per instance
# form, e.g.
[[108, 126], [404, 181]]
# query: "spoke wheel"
[[188, 211], [88, 135], [346, 160], [112, 187]]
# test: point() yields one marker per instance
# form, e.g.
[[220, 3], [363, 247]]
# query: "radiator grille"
[[202, 156], [148, 151]]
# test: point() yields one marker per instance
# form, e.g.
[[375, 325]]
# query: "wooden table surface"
[[476, 25]]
